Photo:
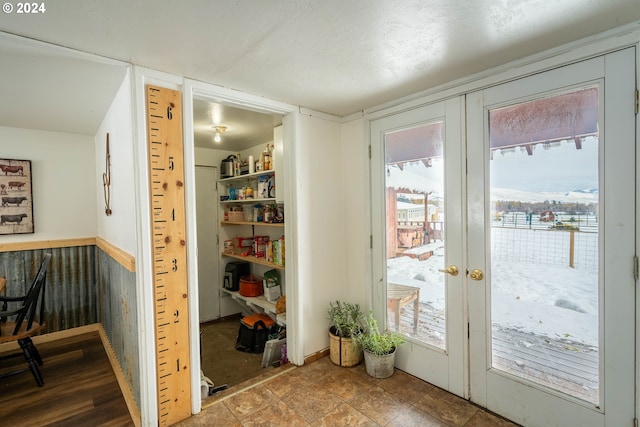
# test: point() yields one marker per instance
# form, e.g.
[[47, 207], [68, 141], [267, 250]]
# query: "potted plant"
[[345, 322], [379, 348]]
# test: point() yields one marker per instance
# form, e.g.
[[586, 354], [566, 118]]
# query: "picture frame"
[[16, 197]]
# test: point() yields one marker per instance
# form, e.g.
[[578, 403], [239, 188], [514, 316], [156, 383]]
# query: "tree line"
[[573, 208]]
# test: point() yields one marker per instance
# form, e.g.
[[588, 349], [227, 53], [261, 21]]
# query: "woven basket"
[[342, 351]]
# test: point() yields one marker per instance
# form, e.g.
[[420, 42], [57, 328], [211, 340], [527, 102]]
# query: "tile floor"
[[322, 394]]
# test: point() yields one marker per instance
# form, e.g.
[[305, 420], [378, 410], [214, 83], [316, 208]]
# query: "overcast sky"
[[561, 168]]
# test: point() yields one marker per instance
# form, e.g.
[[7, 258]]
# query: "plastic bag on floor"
[[205, 385]]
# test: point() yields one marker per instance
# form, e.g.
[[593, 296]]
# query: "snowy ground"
[[549, 301]]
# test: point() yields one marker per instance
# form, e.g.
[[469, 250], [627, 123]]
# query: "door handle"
[[452, 270], [476, 274]]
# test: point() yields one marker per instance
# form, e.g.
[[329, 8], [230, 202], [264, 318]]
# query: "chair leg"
[[34, 351], [27, 349]]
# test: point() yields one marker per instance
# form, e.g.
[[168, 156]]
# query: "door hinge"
[[468, 332], [636, 109], [635, 267], [635, 422], [369, 151], [370, 241]]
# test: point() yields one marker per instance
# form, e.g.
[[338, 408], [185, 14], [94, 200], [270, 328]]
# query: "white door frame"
[[600, 44], [239, 100], [442, 367], [617, 339]]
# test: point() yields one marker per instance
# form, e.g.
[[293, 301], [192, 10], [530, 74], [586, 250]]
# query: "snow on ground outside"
[[551, 301]]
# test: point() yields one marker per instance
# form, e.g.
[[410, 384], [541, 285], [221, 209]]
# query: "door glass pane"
[[415, 227], [544, 241]]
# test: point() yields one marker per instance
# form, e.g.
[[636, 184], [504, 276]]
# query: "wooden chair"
[[29, 321]]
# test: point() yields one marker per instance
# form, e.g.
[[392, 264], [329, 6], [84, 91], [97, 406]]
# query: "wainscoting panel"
[[118, 313], [70, 291]]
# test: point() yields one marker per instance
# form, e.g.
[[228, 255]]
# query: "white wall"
[[63, 175], [119, 228], [356, 211], [320, 217]]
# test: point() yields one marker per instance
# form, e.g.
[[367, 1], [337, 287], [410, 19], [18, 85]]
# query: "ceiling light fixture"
[[219, 130]]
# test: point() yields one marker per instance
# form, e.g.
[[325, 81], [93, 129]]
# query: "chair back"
[[31, 299]]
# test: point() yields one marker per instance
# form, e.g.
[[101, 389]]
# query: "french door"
[[504, 233], [551, 226], [418, 263]]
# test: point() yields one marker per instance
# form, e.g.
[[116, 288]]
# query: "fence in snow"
[[553, 247]]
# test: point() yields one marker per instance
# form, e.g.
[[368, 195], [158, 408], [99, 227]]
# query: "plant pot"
[[342, 352], [379, 366]]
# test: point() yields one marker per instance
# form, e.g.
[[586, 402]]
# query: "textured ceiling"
[[333, 56]]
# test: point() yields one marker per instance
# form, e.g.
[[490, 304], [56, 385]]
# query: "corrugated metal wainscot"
[[70, 290], [117, 300]]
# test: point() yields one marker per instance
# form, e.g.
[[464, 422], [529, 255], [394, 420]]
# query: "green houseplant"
[[379, 348], [345, 322]]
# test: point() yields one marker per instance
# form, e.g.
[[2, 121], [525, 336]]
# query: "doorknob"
[[452, 270], [476, 274]]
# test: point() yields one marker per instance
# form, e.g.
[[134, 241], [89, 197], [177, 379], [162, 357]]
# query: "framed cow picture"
[[16, 207]]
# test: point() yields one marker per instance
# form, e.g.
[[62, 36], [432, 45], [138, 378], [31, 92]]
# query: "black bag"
[[252, 339]]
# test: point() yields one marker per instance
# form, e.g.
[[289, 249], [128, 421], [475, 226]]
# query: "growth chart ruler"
[[166, 179]]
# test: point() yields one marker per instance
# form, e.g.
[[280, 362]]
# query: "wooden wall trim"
[[52, 336], [122, 257], [46, 244]]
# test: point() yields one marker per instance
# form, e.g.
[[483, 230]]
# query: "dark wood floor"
[[80, 388]]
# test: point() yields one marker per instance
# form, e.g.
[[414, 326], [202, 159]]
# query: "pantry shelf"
[[266, 224], [247, 175], [244, 201], [261, 302], [254, 259]]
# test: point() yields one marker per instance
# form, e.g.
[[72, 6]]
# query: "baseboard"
[[52, 336], [134, 411], [315, 356]]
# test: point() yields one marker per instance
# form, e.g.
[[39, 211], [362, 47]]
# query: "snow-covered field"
[[552, 301]]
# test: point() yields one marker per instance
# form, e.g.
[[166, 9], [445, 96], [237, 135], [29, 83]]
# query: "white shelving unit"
[[234, 229], [259, 304]]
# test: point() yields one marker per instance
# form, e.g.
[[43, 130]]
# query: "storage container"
[[251, 286], [248, 212]]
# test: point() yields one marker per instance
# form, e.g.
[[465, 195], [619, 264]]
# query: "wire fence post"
[[572, 246]]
